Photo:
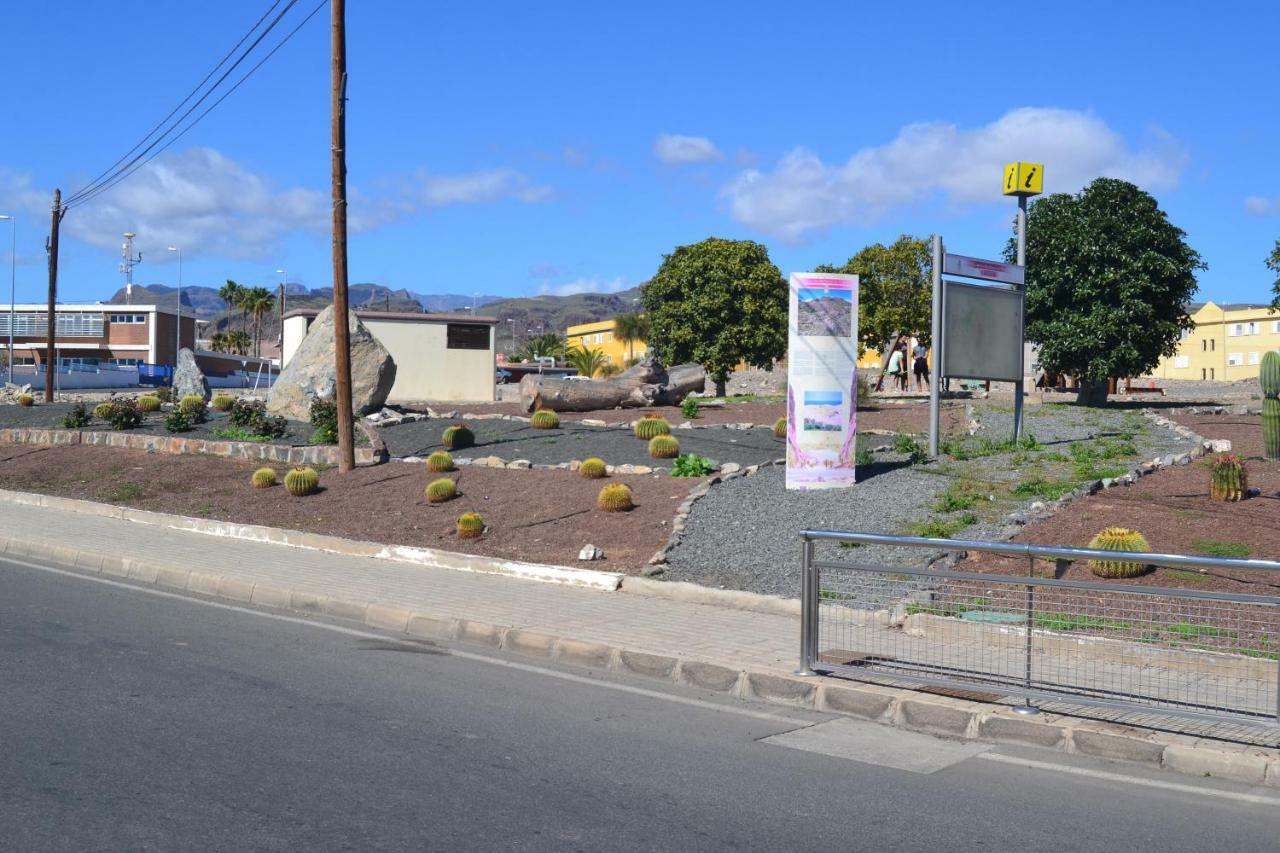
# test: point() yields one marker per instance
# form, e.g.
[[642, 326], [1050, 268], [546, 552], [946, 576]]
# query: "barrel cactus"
[[26, 400], [264, 478], [470, 525], [102, 411], [222, 402], [650, 426], [544, 419], [615, 498], [664, 447], [302, 481], [148, 403], [439, 462], [439, 491], [593, 469], [780, 428], [1230, 480], [191, 403], [458, 436], [1269, 376], [1118, 539]]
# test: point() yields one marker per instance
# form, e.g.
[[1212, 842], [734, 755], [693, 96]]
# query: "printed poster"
[[822, 381]]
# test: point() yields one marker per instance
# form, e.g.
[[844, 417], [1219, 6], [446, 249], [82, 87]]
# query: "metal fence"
[[1024, 631]]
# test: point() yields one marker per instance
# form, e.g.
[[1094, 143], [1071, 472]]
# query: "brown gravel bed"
[[1243, 431], [539, 516]]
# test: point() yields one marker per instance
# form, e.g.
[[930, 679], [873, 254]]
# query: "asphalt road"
[[133, 721]]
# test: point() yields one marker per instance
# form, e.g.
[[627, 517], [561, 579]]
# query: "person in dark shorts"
[[920, 366]]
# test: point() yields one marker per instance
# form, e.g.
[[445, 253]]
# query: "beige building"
[[437, 356], [1227, 343]]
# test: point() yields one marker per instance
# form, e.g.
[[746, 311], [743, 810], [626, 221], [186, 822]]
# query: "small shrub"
[[177, 420], [942, 528], [439, 491], [251, 417], [222, 402], [148, 403], [544, 419], [77, 418], [439, 462], [907, 444], [324, 421], [302, 481], [689, 408], [863, 457], [1230, 481], [124, 414], [165, 395], [1118, 539], [615, 498], [593, 469], [780, 428], [26, 400], [650, 426], [470, 525], [264, 478], [458, 436], [691, 465], [102, 411], [664, 447]]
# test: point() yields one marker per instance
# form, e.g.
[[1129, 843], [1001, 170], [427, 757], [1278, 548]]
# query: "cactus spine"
[[1230, 479], [1118, 539], [593, 469], [439, 462], [544, 419], [264, 478], [301, 481], [1269, 376], [615, 498], [470, 525], [648, 427], [439, 491]]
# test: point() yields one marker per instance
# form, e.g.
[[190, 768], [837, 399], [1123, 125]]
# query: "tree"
[[219, 342], [718, 302], [230, 294], [239, 342], [630, 328], [895, 291], [1273, 264], [1108, 279], [588, 360], [549, 344], [258, 301]]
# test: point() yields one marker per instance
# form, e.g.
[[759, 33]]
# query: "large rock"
[[311, 375], [188, 378]]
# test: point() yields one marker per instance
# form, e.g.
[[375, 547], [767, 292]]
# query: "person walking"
[[920, 365], [897, 370]]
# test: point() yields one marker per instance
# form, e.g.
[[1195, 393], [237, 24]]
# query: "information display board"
[[822, 381], [982, 331]]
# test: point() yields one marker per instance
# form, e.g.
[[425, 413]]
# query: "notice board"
[[982, 331]]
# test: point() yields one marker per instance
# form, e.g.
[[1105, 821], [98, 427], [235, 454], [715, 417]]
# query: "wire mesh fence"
[[1179, 652]]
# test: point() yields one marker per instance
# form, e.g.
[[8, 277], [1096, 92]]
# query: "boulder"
[[311, 374], [188, 378]]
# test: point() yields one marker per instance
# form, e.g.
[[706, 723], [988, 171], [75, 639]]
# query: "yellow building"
[[1227, 343], [601, 335]]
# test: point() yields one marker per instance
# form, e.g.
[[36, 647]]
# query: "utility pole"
[[341, 331], [50, 367]]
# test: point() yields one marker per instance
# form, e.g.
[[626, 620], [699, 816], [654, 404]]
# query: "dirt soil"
[[1243, 431], [382, 503], [50, 415]]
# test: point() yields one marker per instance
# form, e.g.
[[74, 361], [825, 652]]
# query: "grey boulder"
[[311, 374], [188, 378]]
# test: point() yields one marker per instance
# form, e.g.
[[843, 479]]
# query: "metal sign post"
[[935, 368], [1022, 180]]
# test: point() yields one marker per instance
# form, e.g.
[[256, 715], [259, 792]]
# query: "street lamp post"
[[177, 334], [284, 280], [13, 282]]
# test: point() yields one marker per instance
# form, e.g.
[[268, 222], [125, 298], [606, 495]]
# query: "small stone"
[[590, 552], [730, 468], [625, 469], [641, 469], [1218, 445], [520, 464], [575, 464], [592, 422], [1018, 517]]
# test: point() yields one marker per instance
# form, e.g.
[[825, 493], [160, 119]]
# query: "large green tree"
[[718, 303], [1108, 279], [895, 291], [1273, 264]]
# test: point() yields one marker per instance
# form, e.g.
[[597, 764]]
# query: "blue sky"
[[518, 148]]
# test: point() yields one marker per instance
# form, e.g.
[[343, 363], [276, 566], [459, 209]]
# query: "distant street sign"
[[979, 268], [1023, 179]]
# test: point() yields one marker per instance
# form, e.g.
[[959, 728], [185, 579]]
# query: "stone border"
[[178, 445], [902, 708]]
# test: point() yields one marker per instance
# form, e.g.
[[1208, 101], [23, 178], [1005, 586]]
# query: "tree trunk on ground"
[[646, 384], [1091, 393]]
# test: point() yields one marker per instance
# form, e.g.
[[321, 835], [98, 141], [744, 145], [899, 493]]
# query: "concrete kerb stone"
[[530, 643], [1248, 766]]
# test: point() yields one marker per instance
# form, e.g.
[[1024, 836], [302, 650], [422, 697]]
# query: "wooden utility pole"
[[50, 361], [341, 331]]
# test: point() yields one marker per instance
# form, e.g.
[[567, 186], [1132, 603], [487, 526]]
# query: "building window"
[[1275, 327], [1235, 359], [128, 319], [1213, 345], [1211, 374], [1253, 358], [1182, 361], [1235, 330], [1202, 373], [125, 362], [69, 324], [467, 336]]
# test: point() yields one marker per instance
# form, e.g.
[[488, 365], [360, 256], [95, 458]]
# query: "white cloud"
[[1259, 206], [476, 188], [583, 285], [676, 150], [940, 161]]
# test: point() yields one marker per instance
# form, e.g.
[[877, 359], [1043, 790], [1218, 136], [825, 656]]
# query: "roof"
[[104, 307], [596, 325], [412, 316]]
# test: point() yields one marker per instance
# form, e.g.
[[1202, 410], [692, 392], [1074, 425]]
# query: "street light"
[[177, 335], [13, 279]]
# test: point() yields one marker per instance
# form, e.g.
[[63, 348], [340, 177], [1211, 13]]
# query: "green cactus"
[[780, 428], [470, 525], [1230, 479], [102, 411], [439, 491], [458, 436], [191, 403], [1269, 376], [544, 419], [26, 400], [593, 469], [664, 447], [264, 478], [1118, 539], [615, 498], [302, 481], [439, 462], [148, 403], [222, 402], [650, 426]]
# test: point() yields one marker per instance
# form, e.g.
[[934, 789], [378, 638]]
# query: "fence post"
[[808, 609], [1026, 707]]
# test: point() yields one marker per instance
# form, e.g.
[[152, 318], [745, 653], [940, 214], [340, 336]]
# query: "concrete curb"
[[902, 708]]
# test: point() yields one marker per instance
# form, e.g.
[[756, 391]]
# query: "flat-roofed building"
[[1228, 342], [93, 334]]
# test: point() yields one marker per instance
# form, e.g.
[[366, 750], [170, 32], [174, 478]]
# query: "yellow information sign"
[[1023, 178]]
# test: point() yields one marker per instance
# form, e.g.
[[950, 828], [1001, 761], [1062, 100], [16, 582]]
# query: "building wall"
[[166, 346], [1226, 344], [295, 329], [602, 336], [426, 369]]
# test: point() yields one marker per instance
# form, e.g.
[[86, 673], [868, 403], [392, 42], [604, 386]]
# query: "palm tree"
[[219, 342], [630, 328], [588, 361], [258, 301], [239, 342], [230, 294]]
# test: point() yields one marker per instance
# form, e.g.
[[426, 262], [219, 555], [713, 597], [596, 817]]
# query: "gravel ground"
[[745, 533], [50, 415]]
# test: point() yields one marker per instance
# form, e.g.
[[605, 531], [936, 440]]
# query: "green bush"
[[177, 420], [689, 408], [691, 465], [124, 414], [251, 416], [164, 395], [77, 418], [324, 421]]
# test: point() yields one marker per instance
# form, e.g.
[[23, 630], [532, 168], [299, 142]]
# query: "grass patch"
[[123, 493], [1187, 629], [1219, 548], [948, 609], [964, 447], [959, 495], [1039, 487], [942, 528], [863, 458], [1078, 622], [233, 433], [1186, 577]]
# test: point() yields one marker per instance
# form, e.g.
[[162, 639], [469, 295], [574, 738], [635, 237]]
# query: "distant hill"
[[556, 313]]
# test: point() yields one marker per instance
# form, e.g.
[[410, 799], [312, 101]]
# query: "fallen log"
[[646, 384]]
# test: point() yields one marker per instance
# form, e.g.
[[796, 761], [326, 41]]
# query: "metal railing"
[[1021, 630]]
